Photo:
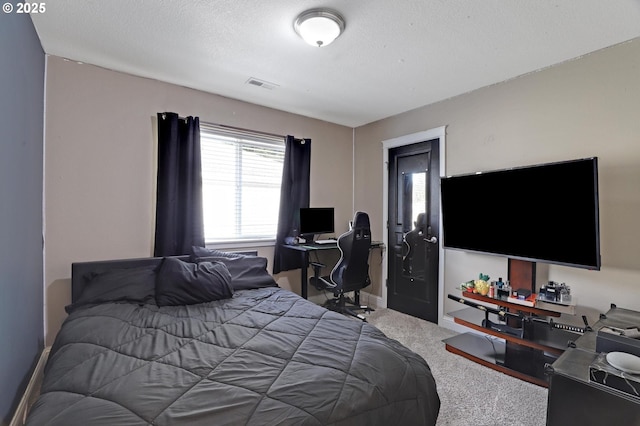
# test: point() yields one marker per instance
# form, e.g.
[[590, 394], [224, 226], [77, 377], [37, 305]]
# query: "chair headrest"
[[421, 221], [361, 220]]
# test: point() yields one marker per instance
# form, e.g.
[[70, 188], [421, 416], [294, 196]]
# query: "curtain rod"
[[244, 130], [233, 128]]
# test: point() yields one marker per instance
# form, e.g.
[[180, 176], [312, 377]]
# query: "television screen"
[[316, 220], [545, 213]]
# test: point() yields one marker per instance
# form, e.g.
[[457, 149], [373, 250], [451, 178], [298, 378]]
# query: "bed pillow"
[[247, 272], [198, 252], [136, 285], [182, 283]]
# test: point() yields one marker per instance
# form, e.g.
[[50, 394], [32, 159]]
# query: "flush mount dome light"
[[319, 27]]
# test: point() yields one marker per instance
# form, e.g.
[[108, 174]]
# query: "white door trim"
[[436, 133]]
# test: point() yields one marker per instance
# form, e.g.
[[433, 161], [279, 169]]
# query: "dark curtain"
[[179, 222], [294, 194]]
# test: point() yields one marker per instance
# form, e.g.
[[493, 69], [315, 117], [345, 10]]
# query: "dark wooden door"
[[414, 218]]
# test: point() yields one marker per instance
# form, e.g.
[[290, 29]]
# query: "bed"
[[136, 351]]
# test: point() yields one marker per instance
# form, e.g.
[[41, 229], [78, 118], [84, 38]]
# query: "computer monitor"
[[316, 221]]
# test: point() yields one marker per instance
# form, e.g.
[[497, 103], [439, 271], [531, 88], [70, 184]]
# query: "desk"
[[305, 249]]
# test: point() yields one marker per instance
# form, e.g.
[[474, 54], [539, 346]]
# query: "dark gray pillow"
[[247, 272], [136, 285], [197, 252], [182, 283]]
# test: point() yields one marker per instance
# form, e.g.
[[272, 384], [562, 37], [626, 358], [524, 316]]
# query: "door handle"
[[432, 239], [403, 249]]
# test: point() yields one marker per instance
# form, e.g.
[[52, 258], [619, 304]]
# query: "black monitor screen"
[[545, 213], [316, 220]]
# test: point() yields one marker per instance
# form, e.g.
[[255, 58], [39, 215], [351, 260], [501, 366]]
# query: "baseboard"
[[32, 390], [370, 300], [365, 299], [449, 323]]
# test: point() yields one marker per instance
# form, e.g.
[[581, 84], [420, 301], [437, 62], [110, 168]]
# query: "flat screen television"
[[316, 221], [547, 213]]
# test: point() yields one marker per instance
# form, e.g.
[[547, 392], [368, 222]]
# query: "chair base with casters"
[[340, 303], [351, 272]]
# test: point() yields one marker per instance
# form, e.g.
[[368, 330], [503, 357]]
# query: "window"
[[241, 178]]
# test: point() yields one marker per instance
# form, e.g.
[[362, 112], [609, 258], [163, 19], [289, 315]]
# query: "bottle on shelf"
[[503, 288]]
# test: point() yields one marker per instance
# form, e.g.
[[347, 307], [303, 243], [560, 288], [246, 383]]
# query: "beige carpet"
[[470, 394]]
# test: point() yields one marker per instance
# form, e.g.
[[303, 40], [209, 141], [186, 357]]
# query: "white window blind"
[[241, 178]]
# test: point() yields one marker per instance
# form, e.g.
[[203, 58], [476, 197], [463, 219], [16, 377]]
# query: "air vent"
[[261, 83]]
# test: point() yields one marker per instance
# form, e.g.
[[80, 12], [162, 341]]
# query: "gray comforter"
[[263, 357]]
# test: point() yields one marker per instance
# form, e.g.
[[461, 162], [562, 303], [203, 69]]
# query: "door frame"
[[388, 144]]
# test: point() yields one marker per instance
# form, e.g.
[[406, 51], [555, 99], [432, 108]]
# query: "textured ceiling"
[[394, 56]]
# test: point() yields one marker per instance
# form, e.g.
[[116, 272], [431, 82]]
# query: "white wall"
[[581, 108]]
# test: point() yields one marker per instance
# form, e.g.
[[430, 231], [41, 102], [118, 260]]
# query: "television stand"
[[518, 340], [522, 274]]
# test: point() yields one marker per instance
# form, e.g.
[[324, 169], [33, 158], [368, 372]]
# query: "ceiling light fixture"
[[319, 27]]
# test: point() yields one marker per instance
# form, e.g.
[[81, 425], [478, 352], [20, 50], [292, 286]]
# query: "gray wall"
[[22, 68]]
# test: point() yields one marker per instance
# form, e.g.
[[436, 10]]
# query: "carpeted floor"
[[470, 394]]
